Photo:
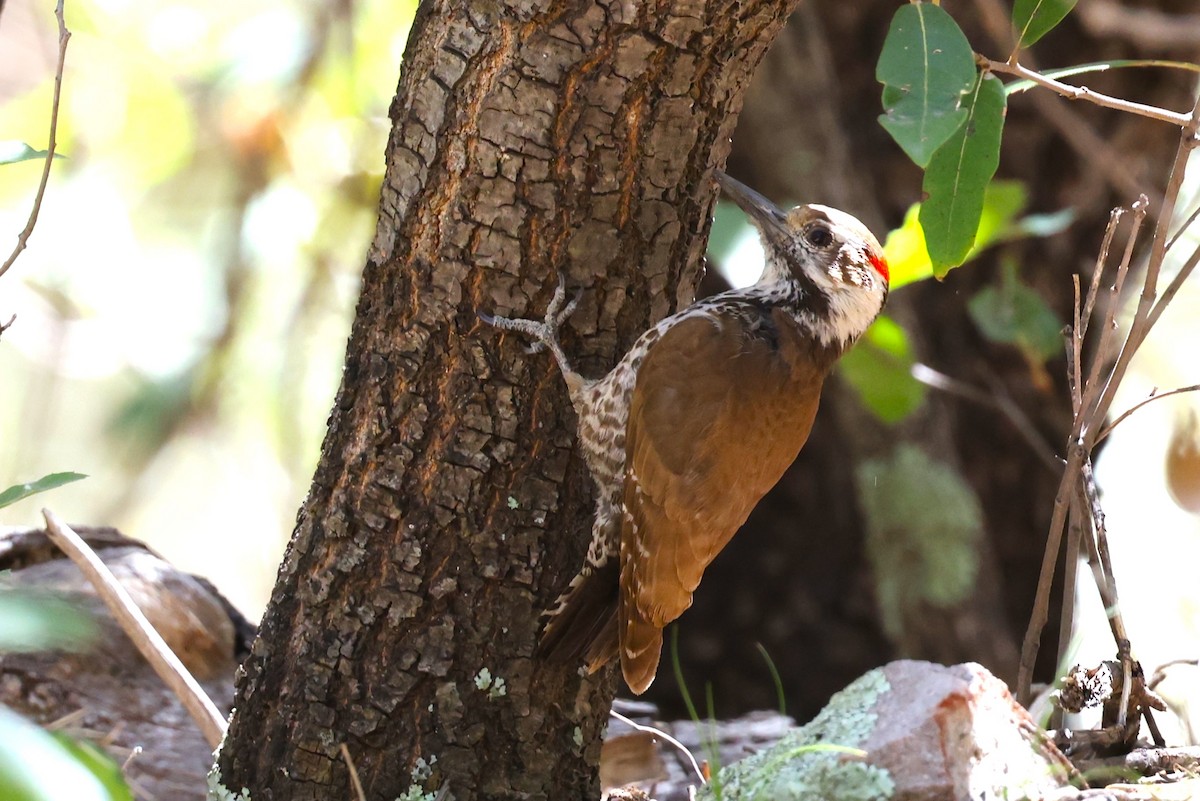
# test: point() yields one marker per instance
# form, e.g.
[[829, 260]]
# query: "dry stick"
[[1083, 93], [1041, 602], [23, 238], [1114, 219], [1073, 347], [1074, 528], [1084, 431], [1186, 224], [1184, 272], [148, 641], [1070, 581], [1101, 357], [1112, 603], [354, 782], [683, 749], [1153, 397], [1079, 135], [1147, 314], [999, 401]]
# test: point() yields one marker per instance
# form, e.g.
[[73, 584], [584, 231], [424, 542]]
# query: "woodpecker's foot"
[[544, 332]]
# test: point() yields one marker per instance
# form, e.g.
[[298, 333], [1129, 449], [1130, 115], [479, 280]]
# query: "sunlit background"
[[183, 306]]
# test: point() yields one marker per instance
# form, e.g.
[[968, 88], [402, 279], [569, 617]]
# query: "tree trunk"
[[449, 506]]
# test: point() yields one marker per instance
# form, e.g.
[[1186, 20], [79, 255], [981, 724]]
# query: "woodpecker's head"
[[831, 257]]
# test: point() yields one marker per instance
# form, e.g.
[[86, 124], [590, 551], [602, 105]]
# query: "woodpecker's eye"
[[819, 236]]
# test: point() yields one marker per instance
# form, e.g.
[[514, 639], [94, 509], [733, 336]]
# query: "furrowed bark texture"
[[449, 506]]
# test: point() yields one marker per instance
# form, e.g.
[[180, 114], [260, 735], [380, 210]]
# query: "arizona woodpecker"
[[699, 420]]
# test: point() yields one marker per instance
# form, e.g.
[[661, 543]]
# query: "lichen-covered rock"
[[910, 731]]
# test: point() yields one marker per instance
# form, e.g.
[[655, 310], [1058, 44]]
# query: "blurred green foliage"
[[183, 305], [36, 765]]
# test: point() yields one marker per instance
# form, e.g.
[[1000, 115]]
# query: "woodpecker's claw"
[[544, 332]]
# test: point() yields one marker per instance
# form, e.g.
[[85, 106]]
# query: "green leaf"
[[905, 252], [958, 175], [101, 765], [1033, 19], [20, 491], [37, 621], [37, 766], [1002, 202], [880, 368], [12, 151], [905, 248], [926, 67], [1015, 314]]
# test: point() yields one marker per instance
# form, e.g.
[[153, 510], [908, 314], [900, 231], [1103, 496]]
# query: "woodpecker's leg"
[[544, 332]]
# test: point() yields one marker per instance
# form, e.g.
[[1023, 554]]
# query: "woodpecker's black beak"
[[765, 214]]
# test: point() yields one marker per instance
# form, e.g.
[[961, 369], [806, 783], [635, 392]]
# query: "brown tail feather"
[[583, 624], [641, 648]]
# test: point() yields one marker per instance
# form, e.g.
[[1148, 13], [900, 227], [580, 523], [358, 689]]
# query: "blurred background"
[[183, 305], [182, 311]]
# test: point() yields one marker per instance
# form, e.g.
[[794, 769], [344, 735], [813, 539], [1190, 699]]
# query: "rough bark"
[[449, 506]]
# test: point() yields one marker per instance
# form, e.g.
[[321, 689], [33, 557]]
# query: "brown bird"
[[698, 421]]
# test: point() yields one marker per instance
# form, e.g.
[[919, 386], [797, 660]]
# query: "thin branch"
[[1184, 272], [1083, 93], [997, 400], [148, 641], [1114, 219], [1100, 358], [64, 36], [1146, 314], [1077, 132], [1153, 397], [1183, 228], [354, 782], [665, 737], [1074, 346], [1041, 602]]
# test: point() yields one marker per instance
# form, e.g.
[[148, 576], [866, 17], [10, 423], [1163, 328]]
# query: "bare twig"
[[64, 36], [1184, 272], [1153, 397], [354, 782], [1081, 136], [1183, 228], [683, 749], [1083, 93], [1114, 218], [1076, 499], [1073, 342], [148, 641], [1101, 357], [997, 400]]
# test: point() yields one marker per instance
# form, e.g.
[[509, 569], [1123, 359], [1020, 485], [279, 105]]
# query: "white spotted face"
[[844, 261], [825, 258]]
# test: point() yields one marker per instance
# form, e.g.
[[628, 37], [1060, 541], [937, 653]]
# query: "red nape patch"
[[880, 264]]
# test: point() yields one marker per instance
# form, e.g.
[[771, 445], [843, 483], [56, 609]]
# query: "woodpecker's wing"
[[722, 406]]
